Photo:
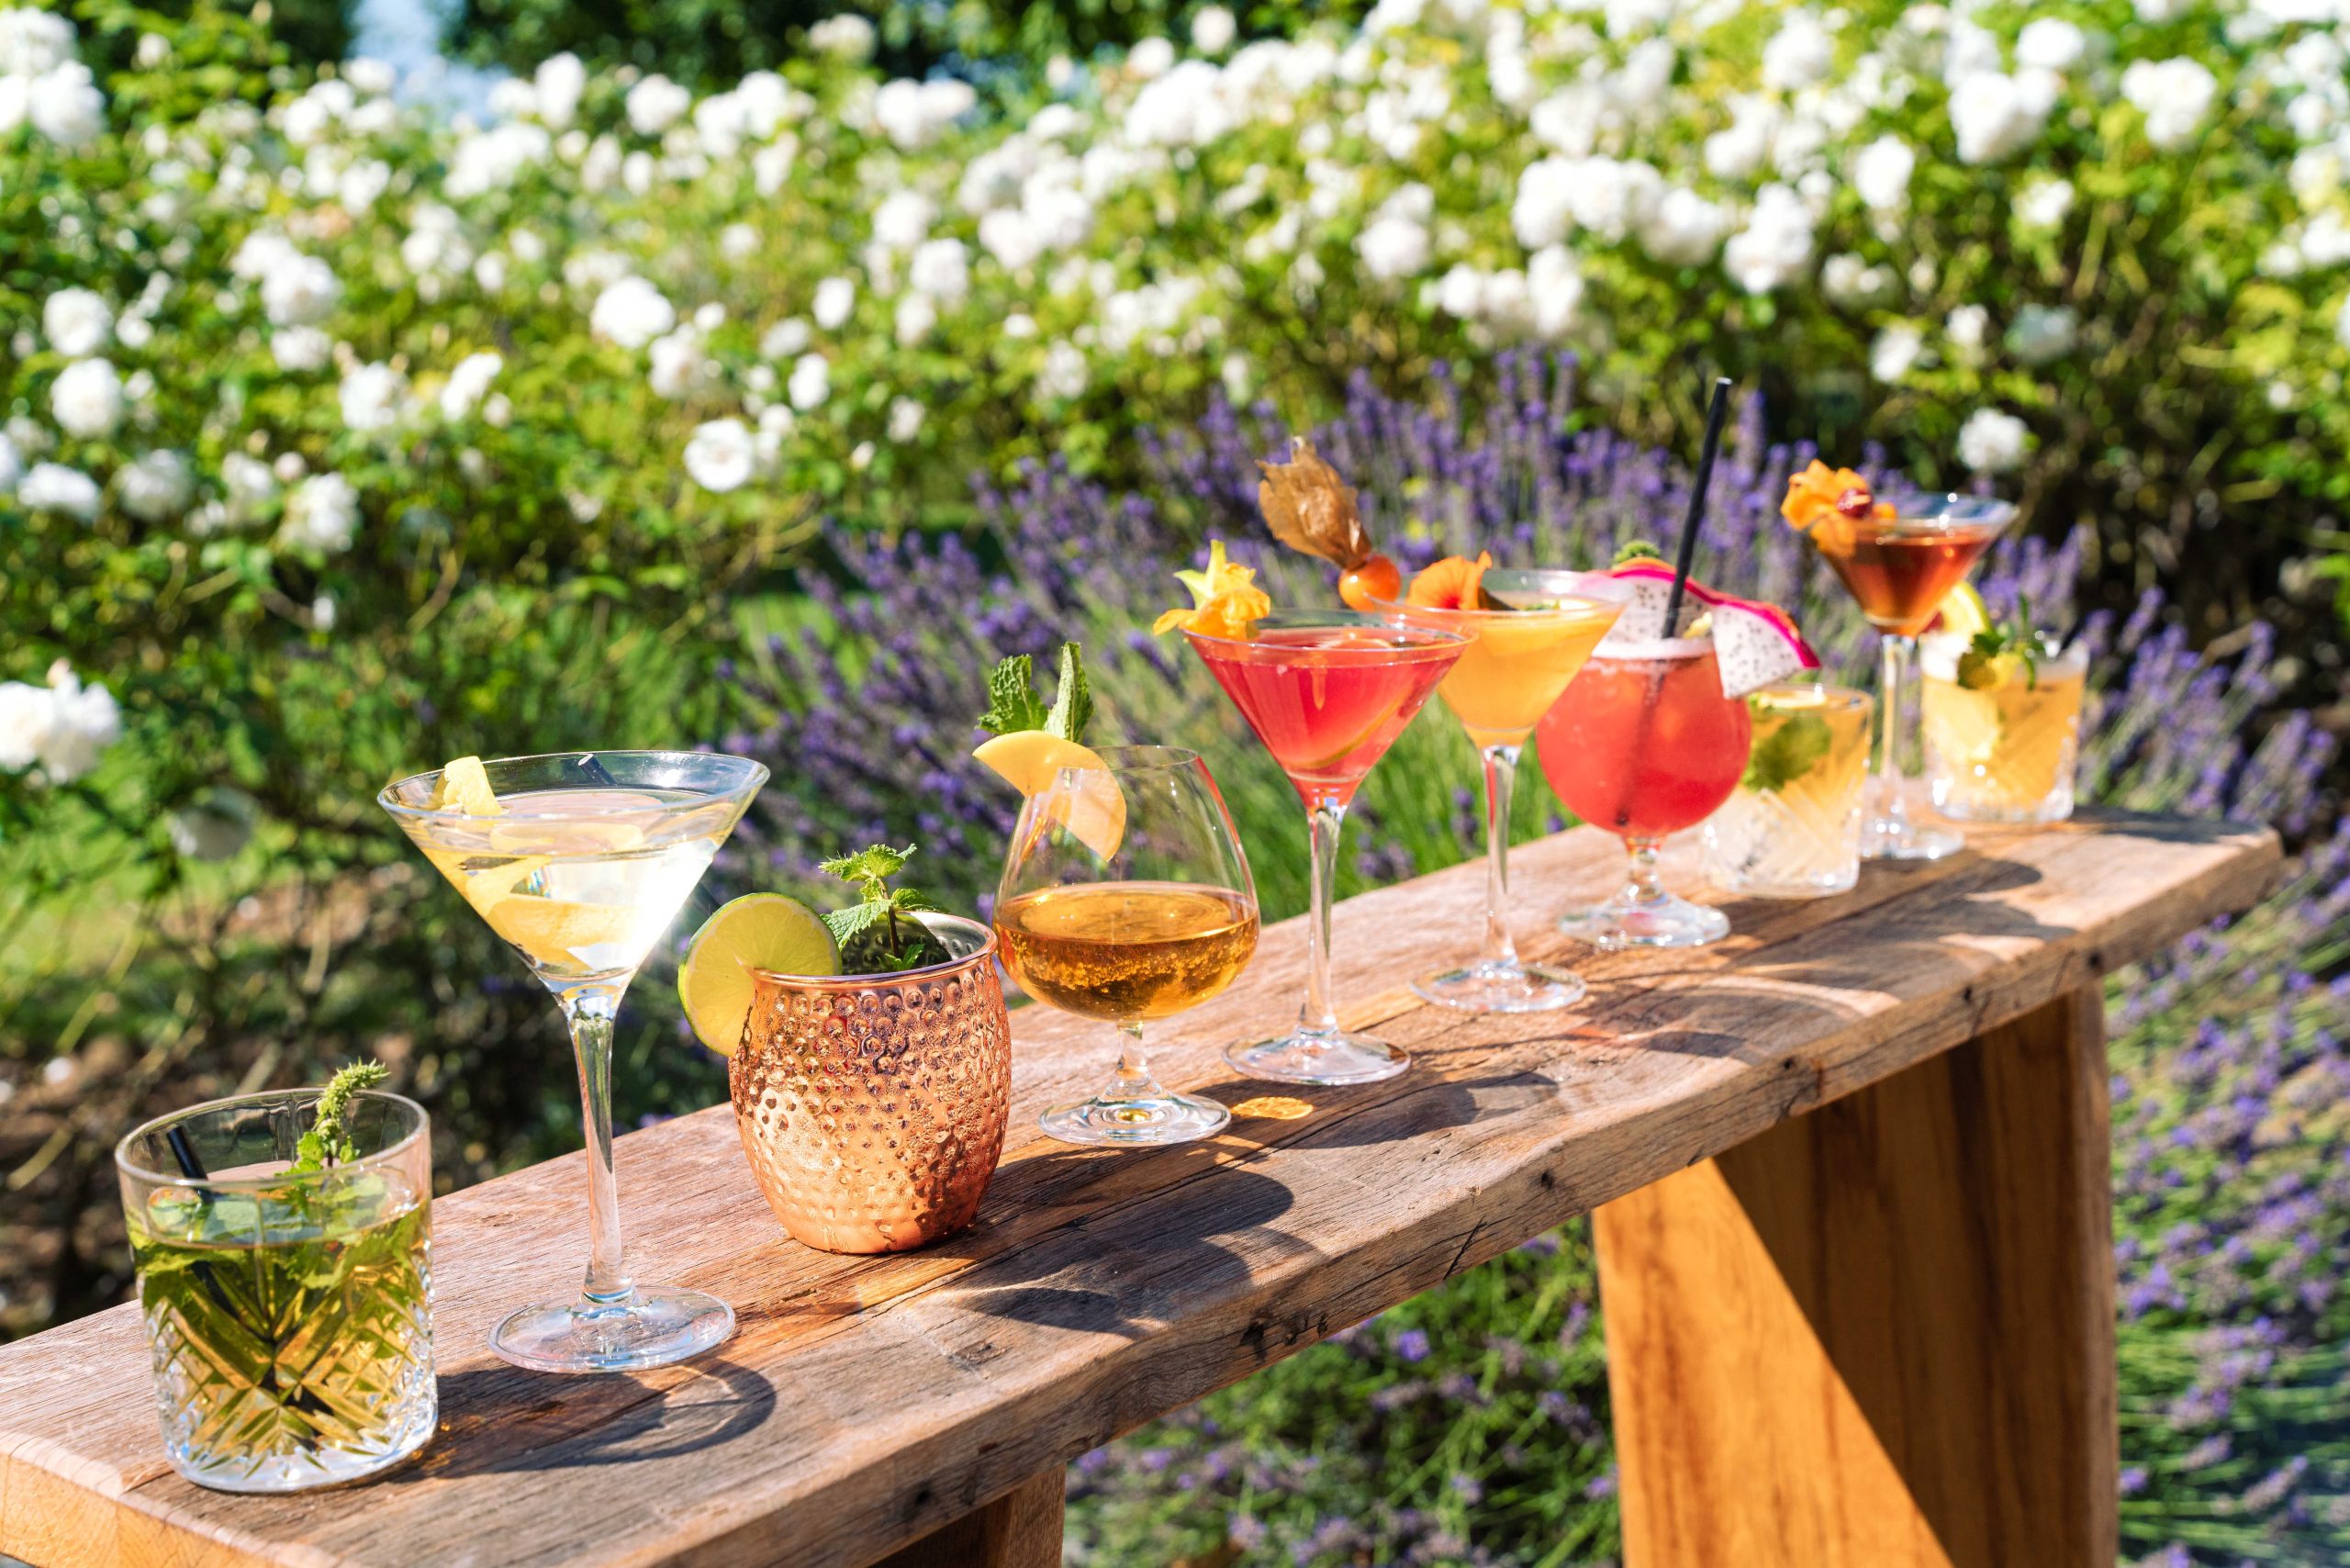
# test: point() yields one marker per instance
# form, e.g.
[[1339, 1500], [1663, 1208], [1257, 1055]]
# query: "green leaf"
[[1636, 550], [1788, 752], [326, 1142], [1073, 703], [1012, 702], [869, 867]]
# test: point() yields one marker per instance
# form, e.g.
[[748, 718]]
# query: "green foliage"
[[880, 932], [328, 1142]]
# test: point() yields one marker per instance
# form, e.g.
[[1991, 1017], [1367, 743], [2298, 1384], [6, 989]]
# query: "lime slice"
[[1963, 613], [763, 930]]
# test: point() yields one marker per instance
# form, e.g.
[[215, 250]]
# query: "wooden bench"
[[1850, 1171]]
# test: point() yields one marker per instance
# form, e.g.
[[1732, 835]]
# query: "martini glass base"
[[1500, 988], [1146, 1119], [647, 1327], [1323, 1059], [1906, 839], [1666, 922]]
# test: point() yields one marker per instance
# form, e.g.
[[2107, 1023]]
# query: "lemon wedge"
[[1093, 812], [1963, 612], [465, 787]]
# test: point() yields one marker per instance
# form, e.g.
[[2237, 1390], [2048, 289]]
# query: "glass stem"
[[1501, 776], [1891, 680], [589, 1010], [1319, 1015], [1134, 1080], [1647, 886]]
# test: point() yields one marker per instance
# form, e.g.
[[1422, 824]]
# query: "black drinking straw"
[[183, 1151], [1704, 478]]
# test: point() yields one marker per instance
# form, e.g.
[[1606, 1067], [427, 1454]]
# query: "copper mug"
[[873, 1106]]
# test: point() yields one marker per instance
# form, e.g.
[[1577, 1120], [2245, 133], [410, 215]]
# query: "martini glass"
[[1517, 664], [1327, 691], [1899, 571], [1644, 744], [585, 866]]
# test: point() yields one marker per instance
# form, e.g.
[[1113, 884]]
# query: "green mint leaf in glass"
[[880, 934], [328, 1143], [1788, 752], [1012, 702], [1073, 703]]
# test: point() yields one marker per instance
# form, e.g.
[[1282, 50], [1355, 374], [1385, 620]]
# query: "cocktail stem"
[[1134, 1080], [1647, 886], [589, 1010], [1501, 777], [1893, 676], [1322, 823]]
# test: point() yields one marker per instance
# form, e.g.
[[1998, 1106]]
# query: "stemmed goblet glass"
[[1159, 926]]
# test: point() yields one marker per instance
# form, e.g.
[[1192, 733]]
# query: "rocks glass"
[[289, 1315], [2002, 750], [1792, 828]]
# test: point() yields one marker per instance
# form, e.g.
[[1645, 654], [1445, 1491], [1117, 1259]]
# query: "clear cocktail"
[[1644, 744], [580, 860], [1517, 664], [1792, 829], [1327, 691]]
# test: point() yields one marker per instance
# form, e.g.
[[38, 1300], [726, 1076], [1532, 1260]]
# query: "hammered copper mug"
[[873, 1106]]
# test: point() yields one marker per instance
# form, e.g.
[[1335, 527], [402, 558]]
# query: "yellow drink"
[[1793, 827], [2003, 749], [1517, 664]]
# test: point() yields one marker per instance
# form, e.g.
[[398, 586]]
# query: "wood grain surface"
[[1881, 1334], [865, 1402]]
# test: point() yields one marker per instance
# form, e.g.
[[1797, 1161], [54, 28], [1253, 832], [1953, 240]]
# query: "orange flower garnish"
[[1453, 583], [1225, 600], [1825, 503]]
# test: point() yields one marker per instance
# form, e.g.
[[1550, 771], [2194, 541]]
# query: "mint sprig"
[[1979, 667], [880, 932], [1014, 704], [1788, 752], [328, 1142]]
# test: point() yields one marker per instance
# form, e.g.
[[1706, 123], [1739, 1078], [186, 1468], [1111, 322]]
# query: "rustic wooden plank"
[[1020, 1529], [866, 1402], [1881, 1334]]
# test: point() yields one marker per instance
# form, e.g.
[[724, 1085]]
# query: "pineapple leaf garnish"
[[1636, 550], [1013, 703], [328, 1142], [880, 932], [1979, 665]]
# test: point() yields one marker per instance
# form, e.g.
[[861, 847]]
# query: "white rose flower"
[[1881, 172], [556, 89], [631, 313], [372, 397], [940, 269], [157, 486], [811, 383], [913, 319], [65, 105], [84, 721], [836, 297], [721, 455], [1968, 328], [1995, 115], [249, 484], [296, 290], [76, 322], [1009, 235], [1152, 58], [2051, 43], [2174, 95], [845, 37], [1774, 247], [1992, 443], [2044, 204], [655, 104], [300, 350], [2159, 11], [52, 486], [468, 383], [322, 514], [1686, 229], [1849, 280], [33, 40], [1213, 29], [26, 715], [905, 420], [903, 219], [86, 400], [1555, 286], [785, 339], [1544, 209], [678, 365], [1065, 373], [2040, 334], [1896, 350], [1800, 54]]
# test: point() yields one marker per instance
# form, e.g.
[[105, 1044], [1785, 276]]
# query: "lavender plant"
[[1469, 1426]]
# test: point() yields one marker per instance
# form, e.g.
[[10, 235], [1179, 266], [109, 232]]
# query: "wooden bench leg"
[[1020, 1529], [1881, 1334]]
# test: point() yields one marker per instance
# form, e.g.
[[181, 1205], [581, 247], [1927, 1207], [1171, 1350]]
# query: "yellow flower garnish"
[[1225, 600]]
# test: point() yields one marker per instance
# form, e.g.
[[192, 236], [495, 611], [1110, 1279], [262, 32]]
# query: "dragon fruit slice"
[[1643, 618], [1755, 645]]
